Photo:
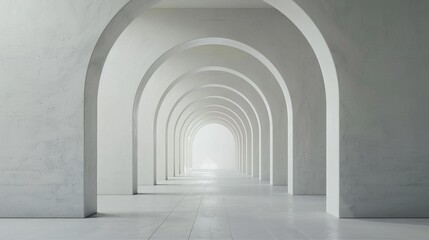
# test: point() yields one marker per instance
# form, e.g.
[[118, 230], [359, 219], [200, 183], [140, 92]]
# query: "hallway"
[[214, 119], [213, 205]]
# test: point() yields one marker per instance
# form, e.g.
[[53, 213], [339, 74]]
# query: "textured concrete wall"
[[380, 49], [45, 49]]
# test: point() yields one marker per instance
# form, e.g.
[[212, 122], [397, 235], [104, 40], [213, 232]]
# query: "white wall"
[[382, 57], [213, 148], [45, 47]]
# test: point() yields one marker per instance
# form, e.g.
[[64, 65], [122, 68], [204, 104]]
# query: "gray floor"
[[213, 205]]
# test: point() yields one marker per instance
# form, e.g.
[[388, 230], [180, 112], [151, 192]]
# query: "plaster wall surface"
[[45, 47], [380, 50]]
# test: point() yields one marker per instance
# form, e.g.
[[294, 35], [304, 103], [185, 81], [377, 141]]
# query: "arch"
[[213, 120], [222, 42], [215, 145], [233, 131], [210, 86], [247, 118], [136, 7], [229, 71], [315, 38], [217, 69], [238, 142], [168, 122], [247, 131], [225, 113], [200, 124], [217, 113], [250, 118]]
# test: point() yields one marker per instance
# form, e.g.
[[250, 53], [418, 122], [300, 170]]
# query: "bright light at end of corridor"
[[208, 164]]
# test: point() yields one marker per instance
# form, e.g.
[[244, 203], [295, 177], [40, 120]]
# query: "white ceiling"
[[212, 4]]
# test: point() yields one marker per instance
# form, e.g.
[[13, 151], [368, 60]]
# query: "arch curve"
[[136, 7]]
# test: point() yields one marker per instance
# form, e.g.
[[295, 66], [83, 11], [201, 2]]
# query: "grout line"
[[227, 216], [303, 233], [196, 215], [266, 227], [181, 200]]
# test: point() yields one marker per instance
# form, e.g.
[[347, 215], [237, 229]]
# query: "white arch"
[[324, 56], [248, 118], [222, 42], [219, 69], [229, 71], [252, 138], [177, 102], [195, 130], [217, 112], [209, 120], [189, 147], [247, 132], [136, 7]]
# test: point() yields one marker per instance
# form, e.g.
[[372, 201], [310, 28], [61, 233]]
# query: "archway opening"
[[110, 35], [213, 148]]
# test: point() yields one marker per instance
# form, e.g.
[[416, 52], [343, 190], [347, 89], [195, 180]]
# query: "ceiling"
[[212, 4]]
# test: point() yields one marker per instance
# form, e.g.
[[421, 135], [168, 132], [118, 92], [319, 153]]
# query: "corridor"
[[213, 204], [214, 119]]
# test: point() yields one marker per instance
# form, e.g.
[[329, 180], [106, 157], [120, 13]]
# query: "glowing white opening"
[[213, 148], [208, 164]]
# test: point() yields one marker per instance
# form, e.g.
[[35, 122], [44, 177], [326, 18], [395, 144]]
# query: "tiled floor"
[[213, 205]]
